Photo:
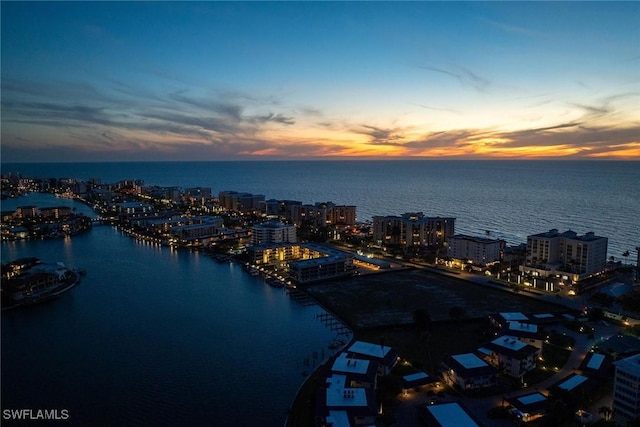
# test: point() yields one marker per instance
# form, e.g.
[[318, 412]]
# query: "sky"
[[151, 81]]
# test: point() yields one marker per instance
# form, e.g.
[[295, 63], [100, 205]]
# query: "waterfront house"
[[358, 372], [352, 406], [385, 356]]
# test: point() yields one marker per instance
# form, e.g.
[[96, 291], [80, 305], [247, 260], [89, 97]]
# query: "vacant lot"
[[387, 299]]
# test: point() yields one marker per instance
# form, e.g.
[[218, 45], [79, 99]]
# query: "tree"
[[625, 254]]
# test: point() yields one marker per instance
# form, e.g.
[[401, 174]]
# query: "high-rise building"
[[241, 202], [567, 253], [273, 232], [626, 388], [479, 250], [412, 229]]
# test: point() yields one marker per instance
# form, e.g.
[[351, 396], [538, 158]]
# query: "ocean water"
[[510, 199]]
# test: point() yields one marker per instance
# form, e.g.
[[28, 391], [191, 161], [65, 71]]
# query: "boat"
[[36, 282]]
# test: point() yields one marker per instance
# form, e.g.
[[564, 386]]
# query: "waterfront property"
[[241, 202], [338, 401], [626, 388], [313, 270], [479, 251], [306, 263], [412, 229], [348, 395], [385, 356], [29, 281], [359, 372], [565, 254], [273, 232]]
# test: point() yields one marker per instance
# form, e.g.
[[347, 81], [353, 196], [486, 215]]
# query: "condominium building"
[[412, 229], [479, 250], [316, 269], [241, 202], [565, 253], [273, 232], [626, 388], [277, 254], [510, 354], [281, 209]]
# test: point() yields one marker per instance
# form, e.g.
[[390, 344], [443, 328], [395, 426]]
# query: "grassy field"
[[386, 299]]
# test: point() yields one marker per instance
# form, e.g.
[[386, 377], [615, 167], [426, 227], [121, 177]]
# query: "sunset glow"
[[103, 81]]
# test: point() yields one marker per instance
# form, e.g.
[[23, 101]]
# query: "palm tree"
[[625, 254]]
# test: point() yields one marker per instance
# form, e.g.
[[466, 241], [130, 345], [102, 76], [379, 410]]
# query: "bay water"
[[154, 336]]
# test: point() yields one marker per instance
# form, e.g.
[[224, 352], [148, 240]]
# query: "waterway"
[[154, 336]]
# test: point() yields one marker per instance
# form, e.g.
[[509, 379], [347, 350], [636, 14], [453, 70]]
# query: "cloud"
[[512, 29], [271, 117], [464, 76], [380, 136], [119, 109]]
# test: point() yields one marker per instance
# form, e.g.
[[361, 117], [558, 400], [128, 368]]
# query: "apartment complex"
[[320, 262], [412, 229], [479, 250], [510, 354], [565, 253], [241, 202], [273, 232], [626, 388], [318, 214]]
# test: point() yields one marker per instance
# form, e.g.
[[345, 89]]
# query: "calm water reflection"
[[156, 337]]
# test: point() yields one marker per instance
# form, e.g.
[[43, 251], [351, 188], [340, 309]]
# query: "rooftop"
[[451, 415], [523, 327], [630, 364], [338, 419], [595, 361], [572, 381], [339, 396], [531, 398], [509, 342], [469, 361], [349, 365], [476, 239], [513, 316], [369, 349]]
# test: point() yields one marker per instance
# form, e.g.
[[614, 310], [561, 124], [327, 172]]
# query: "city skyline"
[[105, 81]]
